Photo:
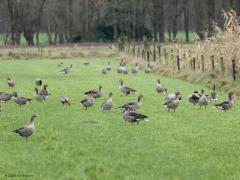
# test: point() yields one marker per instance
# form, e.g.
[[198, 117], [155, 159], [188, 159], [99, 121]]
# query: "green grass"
[[191, 143]]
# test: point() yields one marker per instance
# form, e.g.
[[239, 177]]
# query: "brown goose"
[[126, 90], [159, 87], [171, 96], [94, 93], [4, 97], [227, 105], [194, 97], [133, 105], [38, 82], [203, 100], [20, 100], [173, 104], [148, 69], [109, 67], [135, 69], [10, 82], [214, 94], [39, 96], [28, 130], [64, 100], [132, 116], [45, 91], [107, 105], [88, 102], [66, 70]]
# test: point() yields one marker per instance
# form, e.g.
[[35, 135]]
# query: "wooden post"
[[213, 63], [143, 54], [203, 62], [222, 65], [172, 58], [194, 63], [159, 53], [178, 63], [184, 60], [138, 52], [148, 56], [154, 52], [165, 56], [234, 69]]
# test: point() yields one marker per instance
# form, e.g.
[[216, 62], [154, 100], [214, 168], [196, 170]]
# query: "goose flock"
[[129, 109]]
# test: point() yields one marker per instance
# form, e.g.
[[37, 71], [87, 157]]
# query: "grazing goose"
[[109, 67], [135, 69], [45, 91], [214, 94], [66, 70], [39, 96], [4, 97], [104, 71], [20, 100], [194, 97], [60, 65], [132, 116], [203, 100], [159, 87], [28, 130], [171, 96], [226, 105], [122, 68], [107, 105], [148, 69], [64, 100], [38, 82], [10, 82], [94, 93], [133, 105], [88, 102], [86, 63], [126, 90], [173, 104]]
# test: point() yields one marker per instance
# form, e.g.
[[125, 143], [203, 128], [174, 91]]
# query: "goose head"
[[100, 88], [202, 91], [9, 79], [158, 81], [33, 116], [36, 90], [45, 86], [14, 94], [121, 82], [110, 94], [140, 97]]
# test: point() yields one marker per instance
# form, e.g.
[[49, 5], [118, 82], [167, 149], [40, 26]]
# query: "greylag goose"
[[104, 71], [20, 100], [60, 65], [227, 105], [107, 105], [10, 82], [135, 69], [39, 96], [133, 105], [171, 96], [122, 68], [4, 97], [94, 93], [194, 97], [132, 116], [109, 67], [66, 70], [28, 130], [173, 104], [159, 87], [88, 102], [86, 63], [126, 90], [214, 94], [38, 82], [64, 100], [45, 91], [203, 100]]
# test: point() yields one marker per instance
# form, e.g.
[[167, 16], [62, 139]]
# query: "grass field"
[[191, 143]]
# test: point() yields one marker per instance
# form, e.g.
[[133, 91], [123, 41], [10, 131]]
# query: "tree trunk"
[[186, 19]]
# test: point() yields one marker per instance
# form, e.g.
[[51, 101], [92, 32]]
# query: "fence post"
[[184, 60], [172, 58], [194, 63], [222, 65], [159, 53], [143, 54], [234, 69], [165, 56], [178, 63], [154, 52], [138, 52], [148, 56], [213, 63], [203, 62]]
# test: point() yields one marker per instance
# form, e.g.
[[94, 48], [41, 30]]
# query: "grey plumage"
[[173, 103], [203, 100], [4, 97], [10, 82], [64, 100], [95, 93], [28, 130], [227, 105], [88, 102], [107, 105], [132, 116], [20, 100], [133, 105], [40, 96], [135, 69], [214, 94], [38, 82], [126, 90], [159, 87]]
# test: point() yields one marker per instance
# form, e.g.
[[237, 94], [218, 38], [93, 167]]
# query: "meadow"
[[192, 143]]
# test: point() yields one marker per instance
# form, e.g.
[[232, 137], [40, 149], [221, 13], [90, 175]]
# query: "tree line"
[[106, 20]]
